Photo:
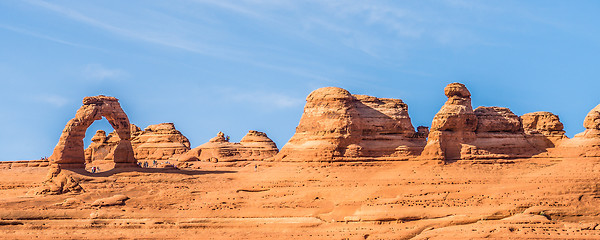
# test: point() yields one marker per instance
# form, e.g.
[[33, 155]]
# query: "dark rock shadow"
[[190, 172]]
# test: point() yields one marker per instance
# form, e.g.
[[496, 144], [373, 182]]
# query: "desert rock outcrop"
[[254, 146], [499, 134], [458, 132], [156, 142], [544, 128], [452, 126], [587, 143], [337, 125], [69, 150], [160, 142]]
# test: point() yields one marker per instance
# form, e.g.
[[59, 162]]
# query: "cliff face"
[[254, 146], [337, 125]]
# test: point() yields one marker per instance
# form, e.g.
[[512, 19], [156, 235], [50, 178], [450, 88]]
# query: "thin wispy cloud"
[[263, 99], [140, 33], [99, 73], [39, 35], [51, 99]]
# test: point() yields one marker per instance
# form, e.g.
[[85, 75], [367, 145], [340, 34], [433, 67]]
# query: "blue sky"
[[234, 66]]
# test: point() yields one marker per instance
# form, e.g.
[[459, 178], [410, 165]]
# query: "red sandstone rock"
[[542, 122], [499, 134], [156, 142], [160, 142], [69, 150], [337, 125], [458, 132], [101, 146], [118, 199], [254, 146], [497, 119], [587, 143], [544, 128], [452, 126]]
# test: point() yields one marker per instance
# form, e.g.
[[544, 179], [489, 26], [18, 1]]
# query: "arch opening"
[[69, 152], [100, 138]]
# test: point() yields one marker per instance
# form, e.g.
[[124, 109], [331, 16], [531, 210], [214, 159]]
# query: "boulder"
[[254, 146], [337, 125]]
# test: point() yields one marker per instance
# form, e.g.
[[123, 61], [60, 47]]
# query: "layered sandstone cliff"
[[156, 142], [337, 125], [254, 146], [587, 143]]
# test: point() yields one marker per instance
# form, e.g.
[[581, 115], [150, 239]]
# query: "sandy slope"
[[530, 198]]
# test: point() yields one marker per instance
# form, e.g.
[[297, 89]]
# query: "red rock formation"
[[69, 150], [452, 126], [499, 134], [100, 147], [543, 128], [337, 125], [254, 146], [587, 143], [156, 142], [160, 142], [458, 132]]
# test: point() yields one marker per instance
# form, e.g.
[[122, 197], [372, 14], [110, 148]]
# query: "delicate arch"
[[69, 150]]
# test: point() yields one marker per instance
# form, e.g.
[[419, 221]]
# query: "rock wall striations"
[[338, 126]]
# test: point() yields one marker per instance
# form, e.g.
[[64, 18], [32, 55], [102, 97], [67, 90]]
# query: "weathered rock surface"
[[254, 146], [458, 132], [337, 125], [160, 142], [499, 134], [69, 150], [156, 142], [587, 143], [118, 199], [543, 128], [58, 182], [452, 126]]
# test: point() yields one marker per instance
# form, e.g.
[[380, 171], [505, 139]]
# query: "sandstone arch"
[[69, 151]]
